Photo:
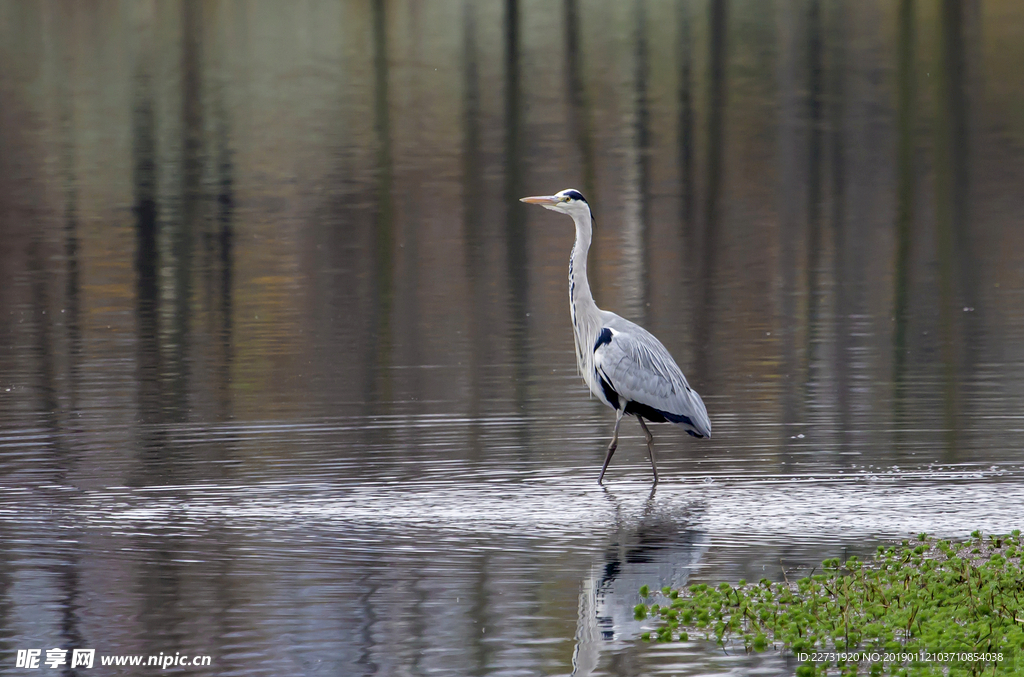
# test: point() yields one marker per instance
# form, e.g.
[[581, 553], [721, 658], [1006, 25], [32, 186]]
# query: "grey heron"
[[622, 363]]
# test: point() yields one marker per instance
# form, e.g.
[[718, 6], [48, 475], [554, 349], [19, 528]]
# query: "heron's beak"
[[541, 200]]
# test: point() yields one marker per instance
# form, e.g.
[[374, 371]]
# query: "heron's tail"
[[699, 419]]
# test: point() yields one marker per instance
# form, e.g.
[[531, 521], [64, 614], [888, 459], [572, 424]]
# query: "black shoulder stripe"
[[609, 391], [604, 338]]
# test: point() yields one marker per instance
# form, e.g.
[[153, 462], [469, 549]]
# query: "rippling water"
[[286, 371], [454, 569]]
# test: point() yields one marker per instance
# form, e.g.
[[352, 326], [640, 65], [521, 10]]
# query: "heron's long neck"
[[585, 319]]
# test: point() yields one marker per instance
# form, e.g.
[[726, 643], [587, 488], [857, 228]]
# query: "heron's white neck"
[[585, 314]]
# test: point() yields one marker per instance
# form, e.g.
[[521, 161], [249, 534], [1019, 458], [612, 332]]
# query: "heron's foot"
[[654, 465], [650, 447], [607, 459], [614, 443]]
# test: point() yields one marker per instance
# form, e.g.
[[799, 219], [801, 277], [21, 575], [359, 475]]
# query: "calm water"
[[286, 371]]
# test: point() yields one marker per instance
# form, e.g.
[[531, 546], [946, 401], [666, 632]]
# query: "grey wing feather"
[[640, 369]]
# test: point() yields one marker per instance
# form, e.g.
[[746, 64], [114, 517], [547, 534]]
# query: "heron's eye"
[[565, 198]]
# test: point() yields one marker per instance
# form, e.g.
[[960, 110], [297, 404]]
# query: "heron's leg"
[[611, 447], [650, 447]]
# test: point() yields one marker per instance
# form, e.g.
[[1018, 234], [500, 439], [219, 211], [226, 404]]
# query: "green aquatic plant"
[[930, 607]]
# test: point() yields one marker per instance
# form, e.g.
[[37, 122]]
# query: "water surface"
[[286, 371]]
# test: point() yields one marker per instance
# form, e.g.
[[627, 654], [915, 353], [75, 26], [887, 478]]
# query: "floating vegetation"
[[929, 607]]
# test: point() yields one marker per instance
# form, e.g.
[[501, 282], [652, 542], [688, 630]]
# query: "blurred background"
[[278, 343]]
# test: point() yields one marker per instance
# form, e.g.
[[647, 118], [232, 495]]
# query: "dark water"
[[286, 371]]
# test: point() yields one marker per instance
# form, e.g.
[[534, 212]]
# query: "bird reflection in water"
[[662, 547]]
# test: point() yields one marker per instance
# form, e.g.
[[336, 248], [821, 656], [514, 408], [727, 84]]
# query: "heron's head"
[[569, 201]]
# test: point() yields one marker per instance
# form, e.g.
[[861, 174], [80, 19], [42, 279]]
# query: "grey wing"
[[641, 371]]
